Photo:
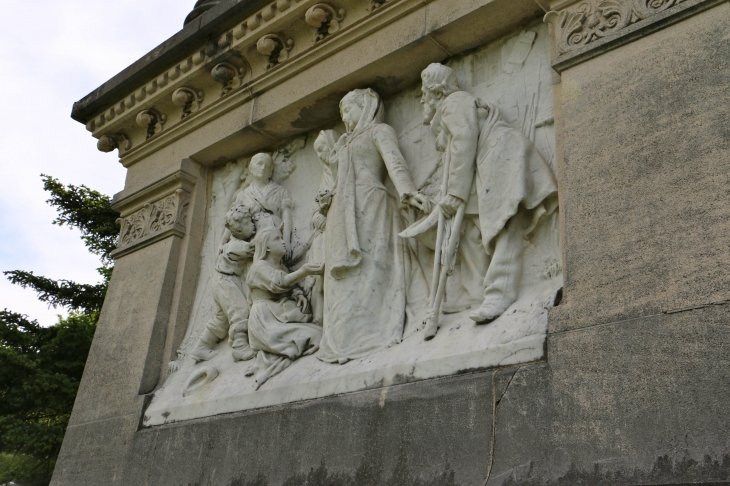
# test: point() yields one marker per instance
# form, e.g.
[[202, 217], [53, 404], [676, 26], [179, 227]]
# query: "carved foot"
[[203, 354], [486, 313], [243, 353], [432, 325]]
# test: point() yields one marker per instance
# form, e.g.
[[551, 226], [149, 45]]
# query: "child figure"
[[270, 203], [324, 146], [279, 326], [229, 293]]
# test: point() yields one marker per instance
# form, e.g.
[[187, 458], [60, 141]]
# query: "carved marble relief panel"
[[416, 239]]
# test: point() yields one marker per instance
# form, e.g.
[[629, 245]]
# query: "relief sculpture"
[[231, 297], [270, 203], [495, 184], [365, 288], [279, 327], [361, 272], [324, 146]]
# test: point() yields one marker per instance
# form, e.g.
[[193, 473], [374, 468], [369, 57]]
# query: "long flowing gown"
[[277, 328], [366, 262]]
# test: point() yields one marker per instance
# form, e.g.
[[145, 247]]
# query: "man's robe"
[[508, 169]]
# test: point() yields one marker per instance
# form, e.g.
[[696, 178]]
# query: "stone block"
[[645, 201], [631, 402], [435, 433], [93, 453]]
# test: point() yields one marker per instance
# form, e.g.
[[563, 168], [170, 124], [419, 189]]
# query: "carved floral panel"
[[592, 20], [152, 220]]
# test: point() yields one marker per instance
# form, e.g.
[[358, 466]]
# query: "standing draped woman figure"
[[366, 262]]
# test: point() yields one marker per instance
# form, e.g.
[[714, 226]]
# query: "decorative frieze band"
[[592, 20], [605, 24]]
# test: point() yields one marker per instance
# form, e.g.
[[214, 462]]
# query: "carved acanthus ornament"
[[152, 121], [228, 76], [153, 220], [108, 143], [592, 20], [188, 99]]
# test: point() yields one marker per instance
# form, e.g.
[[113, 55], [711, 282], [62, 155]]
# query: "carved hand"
[[419, 201], [250, 250], [319, 222], [450, 204], [303, 304], [313, 268]]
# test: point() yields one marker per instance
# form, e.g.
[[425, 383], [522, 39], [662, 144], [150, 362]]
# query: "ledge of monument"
[[221, 17]]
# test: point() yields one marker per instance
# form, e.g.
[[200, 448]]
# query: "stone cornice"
[[163, 56], [268, 79], [270, 45], [588, 28]]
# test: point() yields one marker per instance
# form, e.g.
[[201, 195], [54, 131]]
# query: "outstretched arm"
[[386, 140], [306, 270], [287, 219]]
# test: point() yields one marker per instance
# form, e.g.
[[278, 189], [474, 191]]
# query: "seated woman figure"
[[279, 326]]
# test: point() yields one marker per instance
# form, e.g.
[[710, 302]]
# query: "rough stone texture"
[[632, 402], [433, 433], [645, 175]]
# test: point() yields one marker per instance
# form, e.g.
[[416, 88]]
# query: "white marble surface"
[[524, 97]]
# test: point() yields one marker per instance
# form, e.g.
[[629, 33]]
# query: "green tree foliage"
[[91, 212], [25, 470], [41, 367]]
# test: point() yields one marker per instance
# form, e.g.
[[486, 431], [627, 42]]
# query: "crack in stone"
[[495, 404]]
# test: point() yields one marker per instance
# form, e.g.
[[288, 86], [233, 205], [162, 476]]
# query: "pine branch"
[[64, 293], [88, 210]]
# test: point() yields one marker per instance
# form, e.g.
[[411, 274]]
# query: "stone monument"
[[416, 242]]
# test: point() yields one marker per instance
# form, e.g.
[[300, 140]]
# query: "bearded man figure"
[[497, 172]]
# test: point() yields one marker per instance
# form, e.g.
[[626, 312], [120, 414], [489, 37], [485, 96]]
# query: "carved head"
[[239, 220], [269, 241], [261, 166], [360, 108], [351, 109], [324, 145], [439, 82]]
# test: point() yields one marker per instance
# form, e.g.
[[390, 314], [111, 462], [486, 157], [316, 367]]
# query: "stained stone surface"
[[391, 436], [653, 198]]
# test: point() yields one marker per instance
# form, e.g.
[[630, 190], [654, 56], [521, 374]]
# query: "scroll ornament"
[[275, 48], [153, 219], [325, 19], [593, 20]]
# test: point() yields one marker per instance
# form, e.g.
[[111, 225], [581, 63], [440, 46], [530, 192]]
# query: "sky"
[[56, 52]]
